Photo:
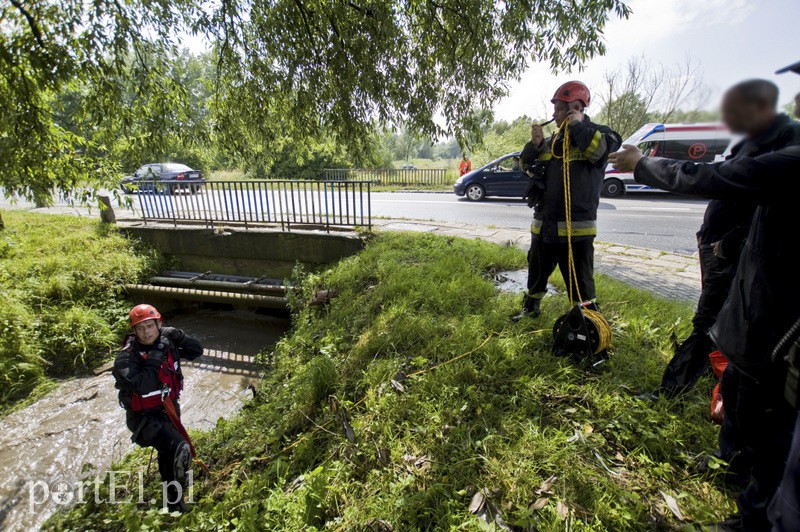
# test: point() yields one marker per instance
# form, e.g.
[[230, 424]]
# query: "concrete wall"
[[255, 252]]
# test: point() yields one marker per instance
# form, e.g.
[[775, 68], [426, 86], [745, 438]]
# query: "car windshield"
[[508, 164], [175, 167]]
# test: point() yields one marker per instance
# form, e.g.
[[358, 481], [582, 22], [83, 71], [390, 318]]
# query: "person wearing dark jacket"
[[589, 145], [148, 375], [748, 109], [763, 300]]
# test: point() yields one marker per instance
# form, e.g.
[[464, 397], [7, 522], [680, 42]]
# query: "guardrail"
[[399, 177], [286, 203]]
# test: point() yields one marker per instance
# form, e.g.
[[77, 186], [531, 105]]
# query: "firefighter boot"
[[530, 307]]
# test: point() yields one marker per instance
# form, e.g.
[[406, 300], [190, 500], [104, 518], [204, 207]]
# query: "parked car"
[[701, 143], [501, 177], [167, 177]]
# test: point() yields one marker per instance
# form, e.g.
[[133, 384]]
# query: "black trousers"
[[691, 357], [784, 512], [154, 429], [762, 423], [543, 258]]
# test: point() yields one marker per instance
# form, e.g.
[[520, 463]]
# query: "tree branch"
[[37, 33]]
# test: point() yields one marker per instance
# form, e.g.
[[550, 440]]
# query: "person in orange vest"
[[465, 167], [148, 376]]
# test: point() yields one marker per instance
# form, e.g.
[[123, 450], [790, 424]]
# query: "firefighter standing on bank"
[[149, 378], [542, 159]]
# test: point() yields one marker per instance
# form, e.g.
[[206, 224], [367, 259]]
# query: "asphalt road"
[[657, 221]]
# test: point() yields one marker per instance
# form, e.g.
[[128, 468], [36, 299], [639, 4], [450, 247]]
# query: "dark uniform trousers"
[[784, 512], [543, 258], [155, 429], [760, 422]]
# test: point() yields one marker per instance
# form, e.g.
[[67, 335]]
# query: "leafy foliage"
[[483, 405], [89, 86], [61, 281]]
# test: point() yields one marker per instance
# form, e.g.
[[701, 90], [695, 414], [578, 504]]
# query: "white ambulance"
[[700, 143]]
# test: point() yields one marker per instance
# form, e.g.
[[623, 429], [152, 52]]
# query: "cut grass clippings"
[[63, 310], [412, 403]]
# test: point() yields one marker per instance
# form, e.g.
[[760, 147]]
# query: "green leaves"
[[87, 87]]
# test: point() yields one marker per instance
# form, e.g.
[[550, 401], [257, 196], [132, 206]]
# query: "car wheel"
[[475, 192], [613, 188]]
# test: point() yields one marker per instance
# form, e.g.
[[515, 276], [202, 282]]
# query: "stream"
[[46, 447]]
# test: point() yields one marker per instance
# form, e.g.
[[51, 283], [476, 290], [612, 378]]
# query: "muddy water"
[[45, 447]]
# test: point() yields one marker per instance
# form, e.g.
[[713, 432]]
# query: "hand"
[[176, 336], [574, 116], [717, 249], [626, 159], [537, 135]]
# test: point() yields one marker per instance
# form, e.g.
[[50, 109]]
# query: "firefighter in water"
[[149, 378], [465, 167], [542, 159]]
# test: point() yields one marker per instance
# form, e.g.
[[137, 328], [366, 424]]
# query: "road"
[[657, 221]]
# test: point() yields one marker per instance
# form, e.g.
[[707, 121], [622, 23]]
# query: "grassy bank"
[[62, 311], [484, 407]]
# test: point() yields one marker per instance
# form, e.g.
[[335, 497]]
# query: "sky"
[[731, 40]]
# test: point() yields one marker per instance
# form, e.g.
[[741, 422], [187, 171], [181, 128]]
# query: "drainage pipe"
[[208, 296], [219, 285]]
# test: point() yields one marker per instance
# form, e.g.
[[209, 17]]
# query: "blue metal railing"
[[286, 203]]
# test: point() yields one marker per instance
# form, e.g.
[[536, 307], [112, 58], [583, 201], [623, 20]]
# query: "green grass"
[[485, 407], [63, 310]]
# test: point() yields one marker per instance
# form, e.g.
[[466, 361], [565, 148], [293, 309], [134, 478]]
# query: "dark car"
[[501, 177], [167, 177]]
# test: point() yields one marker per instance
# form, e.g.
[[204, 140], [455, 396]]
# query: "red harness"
[[171, 386]]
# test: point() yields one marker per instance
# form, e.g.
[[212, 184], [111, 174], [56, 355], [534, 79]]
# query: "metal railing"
[[286, 203], [391, 177]]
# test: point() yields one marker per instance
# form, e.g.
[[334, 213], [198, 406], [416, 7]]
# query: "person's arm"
[[767, 177], [188, 347], [595, 141], [730, 245], [135, 375]]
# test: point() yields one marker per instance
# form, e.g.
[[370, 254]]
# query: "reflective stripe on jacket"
[[589, 148]]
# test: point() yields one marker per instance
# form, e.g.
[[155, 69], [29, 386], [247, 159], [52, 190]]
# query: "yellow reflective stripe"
[[536, 229], [545, 156], [596, 148], [588, 231]]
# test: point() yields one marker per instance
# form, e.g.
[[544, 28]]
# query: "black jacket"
[[765, 295], [135, 374], [589, 146]]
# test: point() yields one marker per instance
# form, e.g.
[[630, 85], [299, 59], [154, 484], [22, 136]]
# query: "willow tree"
[[284, 69]]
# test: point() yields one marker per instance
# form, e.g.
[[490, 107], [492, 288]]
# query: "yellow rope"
[[600, 322]]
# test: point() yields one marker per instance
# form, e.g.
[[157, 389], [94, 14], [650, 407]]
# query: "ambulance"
[[700, 143]]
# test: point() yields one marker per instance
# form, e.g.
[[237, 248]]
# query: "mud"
[[516, 282], [50, 445]]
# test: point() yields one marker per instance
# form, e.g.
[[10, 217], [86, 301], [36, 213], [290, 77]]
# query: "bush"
[[61, 280]]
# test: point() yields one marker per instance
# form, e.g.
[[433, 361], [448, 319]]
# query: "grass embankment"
[[60, 283], [485, 406]]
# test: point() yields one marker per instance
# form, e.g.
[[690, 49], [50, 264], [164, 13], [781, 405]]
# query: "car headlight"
[[460, 180]]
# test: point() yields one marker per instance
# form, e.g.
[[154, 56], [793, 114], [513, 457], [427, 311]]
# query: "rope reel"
[[582, 332]]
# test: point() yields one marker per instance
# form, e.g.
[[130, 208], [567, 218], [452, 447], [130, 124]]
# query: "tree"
[[643, 92], [285, 69]]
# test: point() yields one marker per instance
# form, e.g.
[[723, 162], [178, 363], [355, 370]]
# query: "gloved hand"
[[174, 335], [156, 357]]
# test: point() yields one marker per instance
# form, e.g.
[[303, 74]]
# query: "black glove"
[[174, 335], [534, 192], [157, 356]]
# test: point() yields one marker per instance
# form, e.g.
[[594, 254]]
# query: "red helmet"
[[572, 91], [141, 313]]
